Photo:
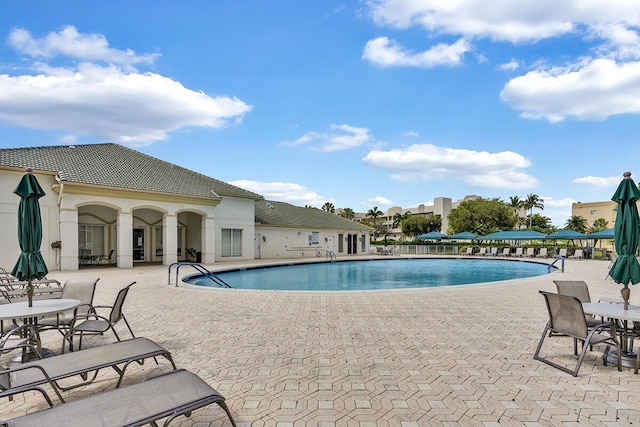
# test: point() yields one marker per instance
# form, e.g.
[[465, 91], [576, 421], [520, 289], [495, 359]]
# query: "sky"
[[358, 103]]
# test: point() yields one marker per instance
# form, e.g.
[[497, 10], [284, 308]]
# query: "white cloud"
[[510, 66], [387, 53], [70, 43], [380, 201], [594, 90], [598, 181], [550, 202], [340, 137], [104, 101], [295, 194], [477, 168], [411, 134], [512, 21]]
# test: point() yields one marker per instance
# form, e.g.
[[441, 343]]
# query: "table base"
[[627, 359]]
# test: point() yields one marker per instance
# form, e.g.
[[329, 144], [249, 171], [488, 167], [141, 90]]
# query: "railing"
[[200, 269], [559, 258], [331, 255]]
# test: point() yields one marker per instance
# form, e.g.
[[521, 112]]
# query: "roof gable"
[[284, 214], [113, 165]]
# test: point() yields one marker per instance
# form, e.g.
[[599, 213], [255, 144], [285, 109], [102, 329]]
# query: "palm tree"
[[576, 223], [533, 201], [374, 214], [599, 225], [399, 217], [347, 213], [328, 206]]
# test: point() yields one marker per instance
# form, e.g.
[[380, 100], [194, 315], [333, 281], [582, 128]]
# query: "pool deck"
[[450, 356]]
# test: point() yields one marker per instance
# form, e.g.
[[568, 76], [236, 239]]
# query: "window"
[[340, 243], [363, 243], [91, 239], [314, 238], [231, 242], [593, 212]]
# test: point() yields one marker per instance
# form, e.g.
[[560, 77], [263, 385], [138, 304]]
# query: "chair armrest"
[[5, 383]]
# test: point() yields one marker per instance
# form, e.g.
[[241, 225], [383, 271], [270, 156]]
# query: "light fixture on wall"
[[326, 239], [264, 238], [299, 233]]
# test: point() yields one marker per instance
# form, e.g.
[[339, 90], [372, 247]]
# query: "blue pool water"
[[376, 274]]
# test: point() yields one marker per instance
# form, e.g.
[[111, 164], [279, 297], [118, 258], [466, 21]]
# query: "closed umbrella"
[[30, 263], [626, 236]]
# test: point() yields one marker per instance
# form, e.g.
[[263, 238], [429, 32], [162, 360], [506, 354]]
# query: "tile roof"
[[284, 214], [113, 165]]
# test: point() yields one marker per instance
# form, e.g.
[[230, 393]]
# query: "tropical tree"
[[399, 217], [576, 223], [516, 203], [481, 216], [599, 225], [533, 201], [328, 206], [374, 215], [542, 224], [417, 224], [347, 213]]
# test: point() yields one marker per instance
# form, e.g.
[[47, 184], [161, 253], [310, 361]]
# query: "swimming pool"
[[376, 274]]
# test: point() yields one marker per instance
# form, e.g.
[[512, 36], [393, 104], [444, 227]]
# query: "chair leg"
[[127, 323]]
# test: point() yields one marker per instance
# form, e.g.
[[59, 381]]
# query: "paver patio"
[[453, 356]]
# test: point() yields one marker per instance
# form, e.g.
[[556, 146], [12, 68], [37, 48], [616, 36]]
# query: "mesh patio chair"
[[566, 317], [578, 254], [80, 289], [18, 339], [96, 324], [542, 253], [580, 290]]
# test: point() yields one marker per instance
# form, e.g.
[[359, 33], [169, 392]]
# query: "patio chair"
[[482, 251], [578, 254], [580, 290], [165, 396], [506, 252], [562, 253], [566, 317], [529, 252], [519, 252], [17, 339], [469, 251], [57, 371], [108, 259], [96, 324], [542, 253], [80, 289], [612, 259]]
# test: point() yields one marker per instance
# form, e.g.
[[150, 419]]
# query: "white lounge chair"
[[519, 252], [578, 254]]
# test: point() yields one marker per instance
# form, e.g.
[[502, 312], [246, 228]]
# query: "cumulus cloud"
[[295, 194], [387, 53], [339, 137], [477, 168], [512, 21], [598, 181], [510, 66], [102, 96], [594, 90], [380, 201]]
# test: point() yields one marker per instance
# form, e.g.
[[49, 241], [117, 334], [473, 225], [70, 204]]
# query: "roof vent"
[[269, 205], [72, 147]]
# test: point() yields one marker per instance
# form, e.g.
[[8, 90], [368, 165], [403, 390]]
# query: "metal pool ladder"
[[200, 268]]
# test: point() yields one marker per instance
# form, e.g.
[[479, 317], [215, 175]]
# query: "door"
[[256, 246], [138, 244]]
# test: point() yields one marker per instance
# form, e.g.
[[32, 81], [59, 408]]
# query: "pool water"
[[376, 274]]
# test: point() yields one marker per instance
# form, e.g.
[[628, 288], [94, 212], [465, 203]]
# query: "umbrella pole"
[[30, 293], [625, 295]]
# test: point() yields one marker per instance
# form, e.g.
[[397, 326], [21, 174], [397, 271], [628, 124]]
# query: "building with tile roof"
[[106, 203]]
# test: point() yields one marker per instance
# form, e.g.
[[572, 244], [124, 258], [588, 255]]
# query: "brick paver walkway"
[[456, 356]]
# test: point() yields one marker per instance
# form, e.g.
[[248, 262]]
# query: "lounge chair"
[[85, 364], [493, 252], [566, 317], [562, 253], [482, 252], [518, 253], [542, 253], [16, 338], [506, 252], [469, 251], [578, 254], [95, 324], [168, 395], [80, 289], [529, 252]]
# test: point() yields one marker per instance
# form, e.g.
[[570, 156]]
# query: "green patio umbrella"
[[30, 263], [626, 236]]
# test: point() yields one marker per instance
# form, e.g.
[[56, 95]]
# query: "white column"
[[208, 239], [69, 239], [170, 239], [124, 253]]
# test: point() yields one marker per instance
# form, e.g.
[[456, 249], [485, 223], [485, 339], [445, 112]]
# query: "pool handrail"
[[201, 269]]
